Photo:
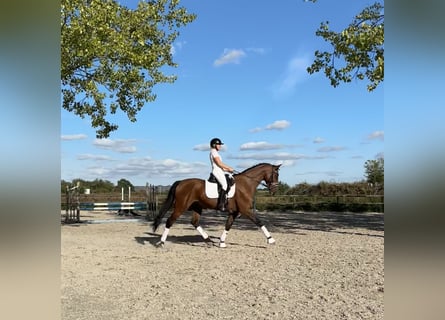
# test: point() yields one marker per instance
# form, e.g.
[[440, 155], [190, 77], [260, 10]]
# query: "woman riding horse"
[[189, 194]]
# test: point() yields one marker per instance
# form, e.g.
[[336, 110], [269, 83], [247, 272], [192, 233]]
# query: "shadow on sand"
[[288, 222]]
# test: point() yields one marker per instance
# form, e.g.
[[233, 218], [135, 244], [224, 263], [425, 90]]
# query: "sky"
[[241, 78]]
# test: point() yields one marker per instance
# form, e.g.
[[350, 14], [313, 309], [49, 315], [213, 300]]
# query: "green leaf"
[[112, 57], [357, 51]]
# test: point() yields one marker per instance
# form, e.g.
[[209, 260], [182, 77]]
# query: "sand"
[[322, 266]]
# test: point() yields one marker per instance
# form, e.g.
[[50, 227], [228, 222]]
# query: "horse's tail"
[[166, 206]]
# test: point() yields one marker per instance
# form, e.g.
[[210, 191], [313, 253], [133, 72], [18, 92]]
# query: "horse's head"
[[272, 178]]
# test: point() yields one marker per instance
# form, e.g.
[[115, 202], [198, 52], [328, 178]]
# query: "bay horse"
[[189, 194]]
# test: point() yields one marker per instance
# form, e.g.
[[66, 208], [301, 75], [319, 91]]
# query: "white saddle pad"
[[212, 190]]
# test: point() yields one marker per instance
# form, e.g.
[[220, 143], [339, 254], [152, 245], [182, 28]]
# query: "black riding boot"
[[222, 200]]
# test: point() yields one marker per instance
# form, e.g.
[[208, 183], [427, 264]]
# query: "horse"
[[189, 194]]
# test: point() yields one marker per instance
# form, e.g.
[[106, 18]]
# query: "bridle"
[[272, 185]]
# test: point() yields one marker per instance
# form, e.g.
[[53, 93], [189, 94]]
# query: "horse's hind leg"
[[196, 215], [170, 221]]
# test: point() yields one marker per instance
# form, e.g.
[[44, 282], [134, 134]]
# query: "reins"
[[258, 181]]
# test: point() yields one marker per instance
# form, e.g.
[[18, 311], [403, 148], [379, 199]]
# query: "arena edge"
[[344, 203]]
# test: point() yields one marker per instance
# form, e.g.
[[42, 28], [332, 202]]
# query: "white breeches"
[[221, 177]]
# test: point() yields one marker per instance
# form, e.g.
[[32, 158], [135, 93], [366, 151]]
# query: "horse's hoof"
[[222, 245], [160, 244], [271, 241], [208, 240]]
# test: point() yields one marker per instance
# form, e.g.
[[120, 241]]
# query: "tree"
[[101, 186], [282, 188], [111, 56], [374, 172], [124, 183], [358, 50]]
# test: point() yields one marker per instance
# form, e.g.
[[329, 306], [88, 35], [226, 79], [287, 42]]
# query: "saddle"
[[213, 187]]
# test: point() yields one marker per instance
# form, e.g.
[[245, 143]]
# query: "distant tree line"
[[98, 185], [373, 184]]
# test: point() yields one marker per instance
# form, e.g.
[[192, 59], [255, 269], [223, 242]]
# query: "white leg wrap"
[[270, 240], [202, 232], [266, 233], [165, 234], [223, 236], [222, 240]]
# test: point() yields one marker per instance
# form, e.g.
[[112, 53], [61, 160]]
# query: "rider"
[[219, 170]]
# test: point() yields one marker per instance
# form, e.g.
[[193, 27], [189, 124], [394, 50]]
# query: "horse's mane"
[[253, 167]]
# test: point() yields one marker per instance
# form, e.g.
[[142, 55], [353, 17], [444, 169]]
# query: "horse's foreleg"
[[229, 223], [270, 239], [260, 224]]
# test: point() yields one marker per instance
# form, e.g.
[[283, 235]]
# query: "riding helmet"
[[214, 142]]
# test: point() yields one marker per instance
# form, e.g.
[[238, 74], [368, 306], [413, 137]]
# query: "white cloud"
[[260, 145], [278, 125], [120, 146], [201, 147], [206, 147], [230, 56], [328, 173], [145, 168], [171, 168], [95, 157], [295, 72], [178, 45], [70, 137], [257, 129], [376, 135], [247, 164], [331, 149], [99, 171], [318, 140], [269, 156]]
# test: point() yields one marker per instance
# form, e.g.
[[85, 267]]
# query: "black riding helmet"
[[214, 142]]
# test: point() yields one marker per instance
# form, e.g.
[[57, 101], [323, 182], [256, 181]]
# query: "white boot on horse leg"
[[203, 234], [161, 243], [269, 238], [222, 240]]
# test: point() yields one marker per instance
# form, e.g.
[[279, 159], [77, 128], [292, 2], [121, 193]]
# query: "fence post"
[[67, 203], [72, 212], [152, 200]]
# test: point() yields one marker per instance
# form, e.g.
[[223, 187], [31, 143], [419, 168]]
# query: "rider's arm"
[[220, 164]]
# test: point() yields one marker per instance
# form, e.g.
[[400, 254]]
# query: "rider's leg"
[[222, 187], [222, 199]]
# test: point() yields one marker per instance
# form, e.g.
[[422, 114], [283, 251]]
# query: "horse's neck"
[[257, 174], [253, 177]]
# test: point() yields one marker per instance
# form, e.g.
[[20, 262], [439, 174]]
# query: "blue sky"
[[241, 77]]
